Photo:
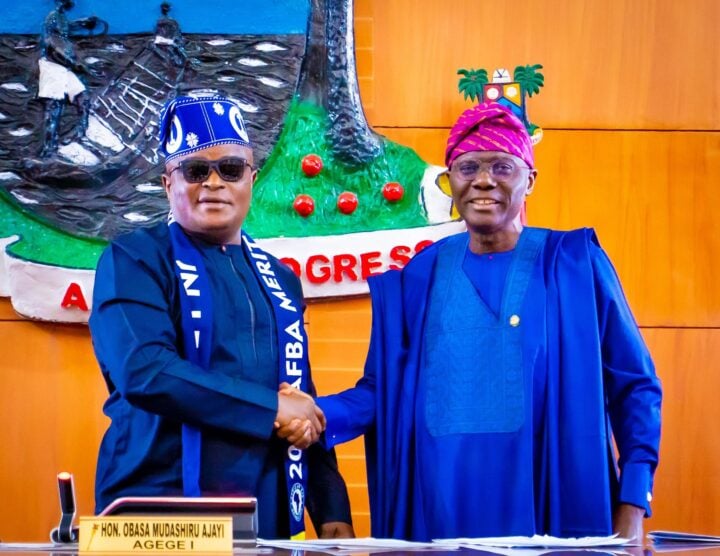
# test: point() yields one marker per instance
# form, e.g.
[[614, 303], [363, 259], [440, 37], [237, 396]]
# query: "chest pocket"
[[473, 363]]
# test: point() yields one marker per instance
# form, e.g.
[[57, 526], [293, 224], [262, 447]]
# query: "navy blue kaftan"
[[137, 337]]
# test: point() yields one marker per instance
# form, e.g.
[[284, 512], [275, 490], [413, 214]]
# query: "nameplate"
[[154, 534]]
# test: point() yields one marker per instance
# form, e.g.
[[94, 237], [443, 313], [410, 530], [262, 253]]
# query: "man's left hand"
[[628, 522], [336, 530], [298, 433]]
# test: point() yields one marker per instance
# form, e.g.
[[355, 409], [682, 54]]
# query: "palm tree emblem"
[[530, 78], [526, 82], [472, 82]]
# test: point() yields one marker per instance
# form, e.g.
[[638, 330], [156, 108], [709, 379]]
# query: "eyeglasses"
[[196, 170], [498, 169]]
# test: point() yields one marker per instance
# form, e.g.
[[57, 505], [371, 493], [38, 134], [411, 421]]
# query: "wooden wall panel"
[[351, 461], [687, 484], [6, 311], [624, 64], [652, 197], [50, 417], [51, 396], [339, 332]]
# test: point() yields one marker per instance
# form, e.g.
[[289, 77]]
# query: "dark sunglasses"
[[196, 170]]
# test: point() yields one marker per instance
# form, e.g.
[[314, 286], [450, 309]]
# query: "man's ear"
[[166, 182], [532, 176], [443, 182]]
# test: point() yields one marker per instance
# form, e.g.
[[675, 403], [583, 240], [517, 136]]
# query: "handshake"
[[298, 420]]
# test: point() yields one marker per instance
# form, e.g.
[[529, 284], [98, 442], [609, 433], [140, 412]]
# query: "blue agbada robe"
[[154, 389], [476, 427]]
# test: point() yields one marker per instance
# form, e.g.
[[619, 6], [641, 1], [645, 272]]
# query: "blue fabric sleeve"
[[632, 388], [327, 496], [636, 485], [354, 411], [135, 340], [349, 413]]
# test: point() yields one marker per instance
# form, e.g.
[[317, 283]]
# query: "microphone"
[[64, 532]]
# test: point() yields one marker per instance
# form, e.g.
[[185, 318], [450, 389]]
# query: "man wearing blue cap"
[[195, 328]]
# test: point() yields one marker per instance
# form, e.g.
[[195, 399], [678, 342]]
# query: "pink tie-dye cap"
[[489, 127]]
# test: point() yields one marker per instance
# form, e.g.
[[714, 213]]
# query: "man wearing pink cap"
[[503, 363]]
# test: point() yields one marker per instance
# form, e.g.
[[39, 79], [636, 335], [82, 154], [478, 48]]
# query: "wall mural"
[[81, 87]]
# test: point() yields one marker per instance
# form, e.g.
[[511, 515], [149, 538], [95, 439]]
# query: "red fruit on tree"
[[393, 191], [304, 205], [311, 165], [347, 202]]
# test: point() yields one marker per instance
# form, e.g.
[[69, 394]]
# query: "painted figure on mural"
[[169, 43], [503, 363], [61, 73], [196, 329]]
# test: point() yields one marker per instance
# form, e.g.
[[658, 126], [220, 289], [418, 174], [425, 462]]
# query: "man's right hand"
[[298, 419]]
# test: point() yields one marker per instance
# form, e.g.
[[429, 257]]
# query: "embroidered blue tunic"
[[136, 333], [487, 422], [477, 416]]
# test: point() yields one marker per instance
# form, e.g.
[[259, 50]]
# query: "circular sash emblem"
[[297, 501]]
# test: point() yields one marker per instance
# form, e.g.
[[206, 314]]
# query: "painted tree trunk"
[[328, 78]]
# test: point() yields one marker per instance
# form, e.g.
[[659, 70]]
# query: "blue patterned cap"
[[189, 124]]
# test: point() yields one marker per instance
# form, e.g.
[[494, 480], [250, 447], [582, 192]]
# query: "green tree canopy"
[[471, 83], [530, 78]]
